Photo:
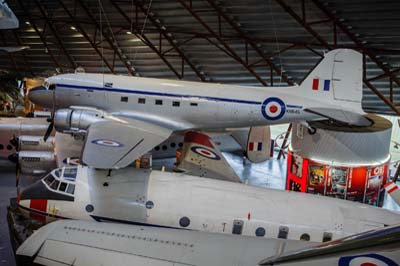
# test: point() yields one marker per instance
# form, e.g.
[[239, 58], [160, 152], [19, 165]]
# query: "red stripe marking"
[[388, 184], [198, 138], [392, 189], [248, 216], [38, 205], [251, 146], [315, 84]]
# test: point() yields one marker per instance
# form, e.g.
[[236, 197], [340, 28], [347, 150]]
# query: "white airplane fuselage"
[[175, 200], [180, 105]]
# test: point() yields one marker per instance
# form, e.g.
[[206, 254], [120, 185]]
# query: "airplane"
[[181, 201], [70, 242], [125, 117]]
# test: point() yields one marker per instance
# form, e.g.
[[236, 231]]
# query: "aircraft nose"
[[41, 96]]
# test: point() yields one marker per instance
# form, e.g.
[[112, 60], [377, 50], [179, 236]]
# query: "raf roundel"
[[207, 153], [107, 143], [366, 260], [273, 108]]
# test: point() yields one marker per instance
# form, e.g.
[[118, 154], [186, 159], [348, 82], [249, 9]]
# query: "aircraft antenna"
[[276, 40]]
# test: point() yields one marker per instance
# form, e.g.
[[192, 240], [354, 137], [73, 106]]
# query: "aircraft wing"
[[341, 116], [375, 246], [201, 158], [117, 143], [67, 149]]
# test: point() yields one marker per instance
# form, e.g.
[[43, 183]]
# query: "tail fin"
[[393, 190], [337, 81]]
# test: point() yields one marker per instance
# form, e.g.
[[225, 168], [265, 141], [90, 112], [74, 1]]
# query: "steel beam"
[[86, 36], [146, 40], [221, 41], [316, 35], [55, 33], [246, 39], [27, 15], [111, 42], [163, 30]]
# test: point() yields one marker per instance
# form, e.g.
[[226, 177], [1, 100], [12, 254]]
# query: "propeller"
[[51, 119]]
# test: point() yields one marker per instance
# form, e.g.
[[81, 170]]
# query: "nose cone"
[[41, 96]]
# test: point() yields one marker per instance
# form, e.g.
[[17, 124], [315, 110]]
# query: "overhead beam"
[[112, 42], [231, 51], [42, 39], [316, 35], [86, 36], [55, 33], [146, 40], [164, 31], [248, 40]]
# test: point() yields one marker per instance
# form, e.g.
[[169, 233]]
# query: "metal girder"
[[27, 14], [355, 39], [249, 41], [220, 40], [316, 35], [281, 150], [146, 41], [112, 43], [86, 36], [55, 33], [163, 30]]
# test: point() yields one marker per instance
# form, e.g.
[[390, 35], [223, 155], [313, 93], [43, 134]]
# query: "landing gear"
[[311, 130]]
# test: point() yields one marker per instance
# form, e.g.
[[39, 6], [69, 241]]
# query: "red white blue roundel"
[[207, 153], [273, 108], [366, 260], [107, 143]]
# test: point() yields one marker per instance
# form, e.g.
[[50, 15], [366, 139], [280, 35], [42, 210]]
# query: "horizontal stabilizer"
[[201, 158], [341, 116]]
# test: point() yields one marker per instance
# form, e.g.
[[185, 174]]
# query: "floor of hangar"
[[270, 174]]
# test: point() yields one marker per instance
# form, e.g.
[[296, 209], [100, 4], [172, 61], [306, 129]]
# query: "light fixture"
[[72, 28], [27, 23], [128, 32]]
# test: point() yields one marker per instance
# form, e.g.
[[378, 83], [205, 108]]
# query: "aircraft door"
[[237, 227]]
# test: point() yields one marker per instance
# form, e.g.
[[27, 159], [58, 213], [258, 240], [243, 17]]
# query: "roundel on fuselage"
[[273, 108], [366, 259]]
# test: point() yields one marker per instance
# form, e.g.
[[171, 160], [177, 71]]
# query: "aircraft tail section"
[[336, 81], [393, 190]]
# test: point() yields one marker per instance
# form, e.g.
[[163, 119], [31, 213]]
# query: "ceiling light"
[[73, 28], [27, 23], [128, 32]]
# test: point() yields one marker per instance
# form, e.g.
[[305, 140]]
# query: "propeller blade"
[[48, 131], [13, 157]]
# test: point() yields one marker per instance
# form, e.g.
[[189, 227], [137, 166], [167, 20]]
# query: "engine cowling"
[[35, 143], [36, 162], [77, 120]]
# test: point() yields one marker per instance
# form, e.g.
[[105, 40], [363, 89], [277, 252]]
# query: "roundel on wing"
[[207, 153], [107, 143], [273, 108], [366, 260]]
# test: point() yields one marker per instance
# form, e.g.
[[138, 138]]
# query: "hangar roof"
[[253, 42]]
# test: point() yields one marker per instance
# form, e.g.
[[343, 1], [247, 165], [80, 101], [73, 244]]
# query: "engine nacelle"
[[35, 143], [36, 162], [77, 120]]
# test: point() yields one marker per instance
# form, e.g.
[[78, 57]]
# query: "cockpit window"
[[57, 172], [63, 187], [55, 184], [71, 189], [70, 173], [49, 179]]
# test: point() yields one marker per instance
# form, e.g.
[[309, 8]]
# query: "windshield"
[[61, 180]]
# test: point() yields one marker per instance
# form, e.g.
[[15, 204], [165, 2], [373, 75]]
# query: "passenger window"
[[176, 103], [71, 189], [327, 237], [9, 147], [173, 145], [142, 100], [193, 104], [305, 237], [158, 102], [157, 148], [124, 99], [283, 232], [260, 231], [55, 184], [237, 227], [164, 147], [49, 179], [63, 187]]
